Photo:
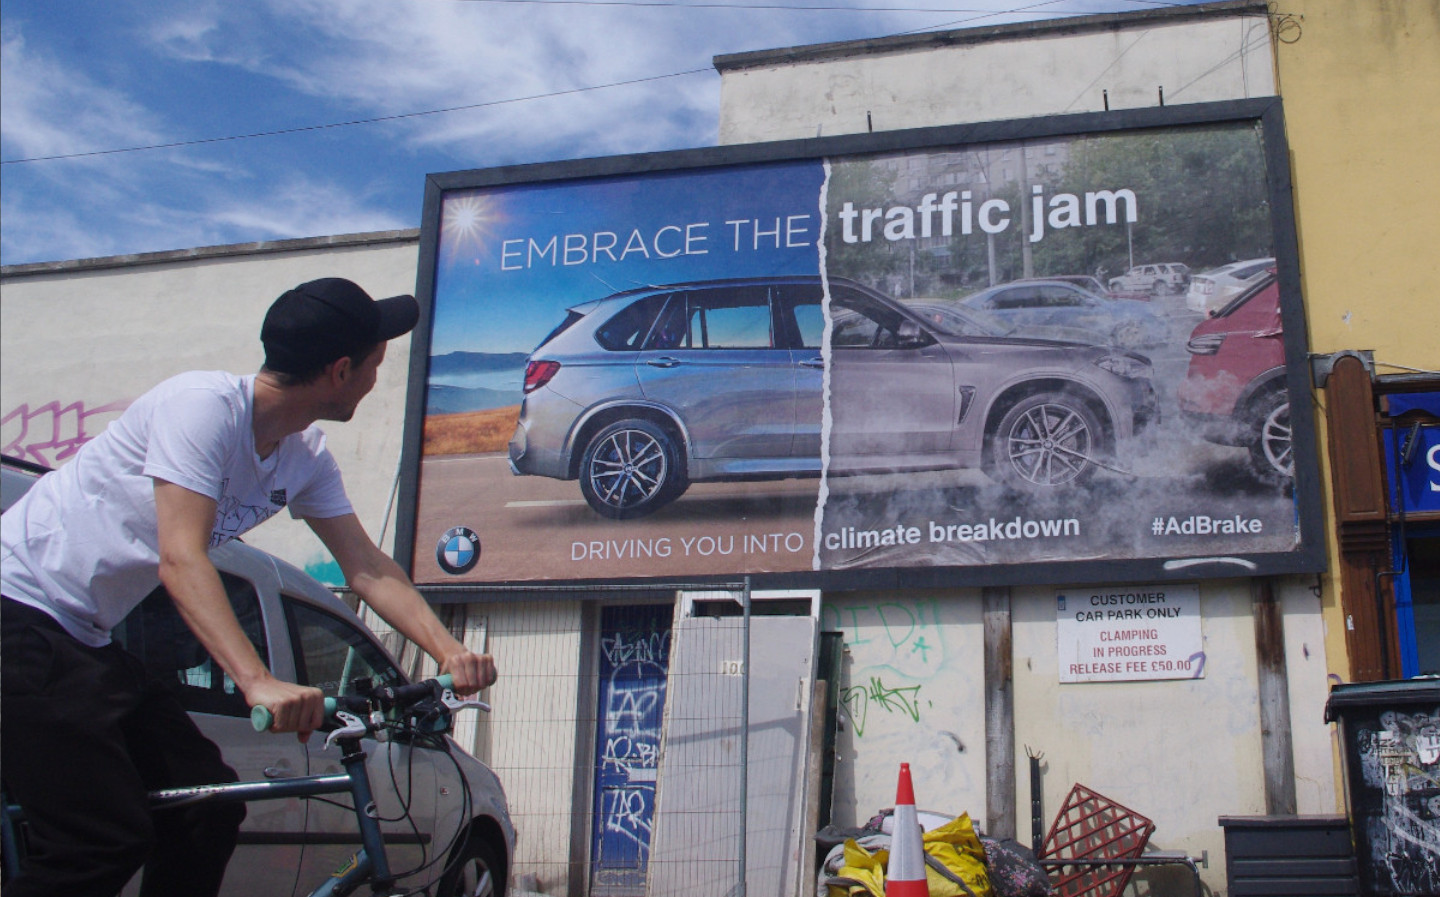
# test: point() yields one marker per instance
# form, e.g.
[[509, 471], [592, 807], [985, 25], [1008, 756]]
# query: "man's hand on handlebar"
[[470, 671], [294, 708]]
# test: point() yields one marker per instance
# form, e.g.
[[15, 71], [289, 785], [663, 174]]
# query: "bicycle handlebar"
[[388, 697]]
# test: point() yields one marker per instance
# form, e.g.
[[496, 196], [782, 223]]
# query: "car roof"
[[590, 305]]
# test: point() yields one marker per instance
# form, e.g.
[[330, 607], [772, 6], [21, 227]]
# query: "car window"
[[953, 322], [727, 319], [800, 310], [1059, 297], [626, 331], [331, 653], [570, 318], [862, 323], [1022, 297], [156, 634]]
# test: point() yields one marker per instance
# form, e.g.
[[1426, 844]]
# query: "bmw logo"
[[458, 550]]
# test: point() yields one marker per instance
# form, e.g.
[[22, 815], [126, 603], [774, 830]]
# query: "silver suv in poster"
[[639, 394]]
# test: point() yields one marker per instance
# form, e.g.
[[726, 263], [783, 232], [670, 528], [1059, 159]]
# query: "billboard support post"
[[744, 737]]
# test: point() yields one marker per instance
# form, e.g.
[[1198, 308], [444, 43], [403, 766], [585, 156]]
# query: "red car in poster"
[[1234, 390]]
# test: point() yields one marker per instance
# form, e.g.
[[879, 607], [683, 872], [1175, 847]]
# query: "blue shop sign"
[[1414, 464]]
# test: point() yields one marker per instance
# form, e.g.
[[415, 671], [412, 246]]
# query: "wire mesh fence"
[[622, 734]]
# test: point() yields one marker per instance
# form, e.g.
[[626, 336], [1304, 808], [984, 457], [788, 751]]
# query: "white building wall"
[[82, 340], [991, 75]]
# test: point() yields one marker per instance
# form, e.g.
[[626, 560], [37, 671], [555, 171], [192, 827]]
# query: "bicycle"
[[423, 710]]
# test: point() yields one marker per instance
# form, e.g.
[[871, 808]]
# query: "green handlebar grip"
[[261, 719]]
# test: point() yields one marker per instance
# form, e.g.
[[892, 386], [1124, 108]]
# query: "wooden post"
[[1276, 745], [999, 715]]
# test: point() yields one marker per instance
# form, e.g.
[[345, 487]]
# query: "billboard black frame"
[[1309, 555]]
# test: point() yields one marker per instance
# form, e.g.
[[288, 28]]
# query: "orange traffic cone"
[[905, 875]]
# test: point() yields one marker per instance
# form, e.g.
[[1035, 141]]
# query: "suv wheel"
[[631, 468], [1271, 451], [1048, 439]]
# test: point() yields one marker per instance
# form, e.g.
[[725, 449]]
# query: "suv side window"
[[626, 331], [729, 319], [801, 314], [156, 634], [331, 653], [861, 323]]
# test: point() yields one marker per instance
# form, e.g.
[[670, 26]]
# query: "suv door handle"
[[813, 363], [665, 361]]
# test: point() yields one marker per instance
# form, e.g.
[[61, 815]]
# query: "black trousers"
[[84, 734]]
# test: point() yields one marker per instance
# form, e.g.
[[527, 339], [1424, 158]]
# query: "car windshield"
[[1234, 304], [944, 317]]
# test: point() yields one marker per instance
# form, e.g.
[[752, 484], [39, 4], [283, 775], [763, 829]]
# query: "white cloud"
[[49, 107], [301, 208]]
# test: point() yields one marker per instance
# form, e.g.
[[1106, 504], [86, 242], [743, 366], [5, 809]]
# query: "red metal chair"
[[1090, 829]]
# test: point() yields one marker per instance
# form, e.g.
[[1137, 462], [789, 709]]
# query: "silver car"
[[312, 637], [639, 394], [1056, 303]]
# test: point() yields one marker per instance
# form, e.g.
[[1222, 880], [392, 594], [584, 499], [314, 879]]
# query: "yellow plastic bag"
[[957, 848], [863, 874], [953, 846]]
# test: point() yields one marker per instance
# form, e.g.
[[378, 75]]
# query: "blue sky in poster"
[[501, 284]]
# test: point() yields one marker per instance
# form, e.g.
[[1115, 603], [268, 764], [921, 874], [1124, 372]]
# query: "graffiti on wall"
[[884, 639], [50, 433], [902, 636], [859, 699], [1401, 760], [634, 658]]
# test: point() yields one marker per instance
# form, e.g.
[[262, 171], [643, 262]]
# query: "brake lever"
[[354, 727], [452, 703]]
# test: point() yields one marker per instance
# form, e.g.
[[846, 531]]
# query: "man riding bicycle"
[[195, 462]]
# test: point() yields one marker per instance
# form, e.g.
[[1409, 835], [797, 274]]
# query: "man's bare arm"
[[185, 519], [380, 583]]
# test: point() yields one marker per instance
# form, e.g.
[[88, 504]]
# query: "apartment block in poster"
[[940, 358]]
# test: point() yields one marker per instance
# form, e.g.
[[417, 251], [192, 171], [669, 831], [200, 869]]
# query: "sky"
[[150, 125]]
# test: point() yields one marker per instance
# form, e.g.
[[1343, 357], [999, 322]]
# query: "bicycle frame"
[[369, 865], [366, 717]]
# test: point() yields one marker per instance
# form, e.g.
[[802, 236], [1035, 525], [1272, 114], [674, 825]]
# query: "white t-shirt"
[[82, 544]]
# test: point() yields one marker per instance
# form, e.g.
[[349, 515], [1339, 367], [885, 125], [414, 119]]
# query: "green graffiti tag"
[[904, 637], [858, 699]]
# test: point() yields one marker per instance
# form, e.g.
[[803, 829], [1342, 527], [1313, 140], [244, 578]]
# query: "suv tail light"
[[538, 373]]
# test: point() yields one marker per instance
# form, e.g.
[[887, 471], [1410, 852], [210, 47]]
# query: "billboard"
[[1055, 350]]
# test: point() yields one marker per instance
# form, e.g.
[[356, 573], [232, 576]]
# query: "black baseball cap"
[[327, 319]]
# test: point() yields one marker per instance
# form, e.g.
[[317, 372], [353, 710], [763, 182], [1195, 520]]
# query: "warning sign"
[[1130, 633]]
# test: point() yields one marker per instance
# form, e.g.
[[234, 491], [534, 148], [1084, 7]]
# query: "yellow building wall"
[[1361, 86]]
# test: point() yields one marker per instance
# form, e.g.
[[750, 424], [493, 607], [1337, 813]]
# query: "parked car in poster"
[[1056, 303], [1087, 282], [1159, 279], [1214, 289], [639, 394], [1234, 390]]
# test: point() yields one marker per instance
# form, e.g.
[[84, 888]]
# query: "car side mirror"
[[910, 336]]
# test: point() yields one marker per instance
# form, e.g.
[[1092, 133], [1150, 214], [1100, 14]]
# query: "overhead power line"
[[345, 124], [1036, 8]]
